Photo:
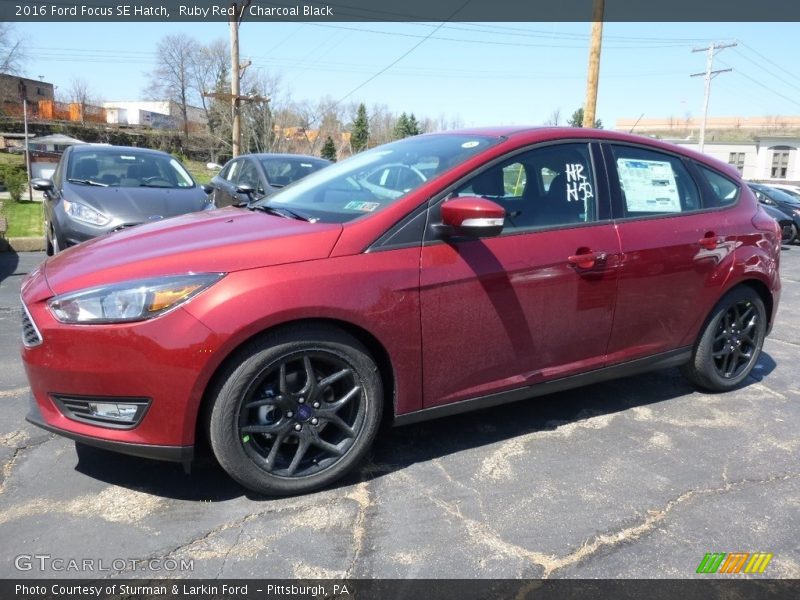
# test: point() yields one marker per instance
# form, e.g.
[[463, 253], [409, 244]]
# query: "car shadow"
[[9, 261], [398, 448]]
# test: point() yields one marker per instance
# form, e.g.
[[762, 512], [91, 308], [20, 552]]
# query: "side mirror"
[[208, 188], [41, 184], [471, 216], [245, 189]]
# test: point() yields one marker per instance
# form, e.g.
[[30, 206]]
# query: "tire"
[[730, 343], [793, 238], [53, 246], [296, 410]]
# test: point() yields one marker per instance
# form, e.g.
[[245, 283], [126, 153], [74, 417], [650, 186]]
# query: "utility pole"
[[594, 63], [709, 75], [23, 92], [237, 70]]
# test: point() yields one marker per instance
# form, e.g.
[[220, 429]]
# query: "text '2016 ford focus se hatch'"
[[422, 278]]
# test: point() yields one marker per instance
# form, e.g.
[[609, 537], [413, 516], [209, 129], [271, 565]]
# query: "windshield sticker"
[[649, 185], [579, 189], [471, 144], [362, 206]]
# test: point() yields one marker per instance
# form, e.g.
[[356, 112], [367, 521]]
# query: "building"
[[761, 148], [153, 113], [12, 87]]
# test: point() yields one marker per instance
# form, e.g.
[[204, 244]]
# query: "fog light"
[[125, 413], [116, 413]]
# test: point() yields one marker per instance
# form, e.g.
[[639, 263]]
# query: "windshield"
[[126, 168], [370, 181], [283, 170], [780, 195]]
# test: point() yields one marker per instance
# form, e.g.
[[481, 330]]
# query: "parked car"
[[792, 190], [788, 230], [251, 177], [527, 261], [97, 189], [786, 203]]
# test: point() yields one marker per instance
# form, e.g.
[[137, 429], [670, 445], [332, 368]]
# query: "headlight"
[[130, 301], [81, 212]]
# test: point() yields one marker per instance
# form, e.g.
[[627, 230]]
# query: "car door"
[[225, 183], [537, 301], [674, 248]]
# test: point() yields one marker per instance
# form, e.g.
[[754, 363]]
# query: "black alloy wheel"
[[298, 412], [730, 343]]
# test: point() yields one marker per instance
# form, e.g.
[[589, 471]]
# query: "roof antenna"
[[637, 122]]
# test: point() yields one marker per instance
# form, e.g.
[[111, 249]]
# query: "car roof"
[[110, 148], [282, 155], [533, 134]]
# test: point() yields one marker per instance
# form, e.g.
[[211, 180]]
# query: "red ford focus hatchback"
[[419, 279]]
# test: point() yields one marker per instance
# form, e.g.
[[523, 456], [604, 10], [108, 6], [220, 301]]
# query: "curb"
[[22, 244]]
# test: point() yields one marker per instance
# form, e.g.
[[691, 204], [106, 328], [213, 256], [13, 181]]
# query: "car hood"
[[225, 240], [137, 204]]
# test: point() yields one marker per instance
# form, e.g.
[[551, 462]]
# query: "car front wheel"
[[729, 345], [296, 410]]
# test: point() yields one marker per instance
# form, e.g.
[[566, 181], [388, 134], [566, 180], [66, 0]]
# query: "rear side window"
[[724, 191], [653, 183]]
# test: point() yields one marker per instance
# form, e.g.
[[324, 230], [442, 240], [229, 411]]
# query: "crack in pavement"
[[787, 342], [486, 535], [363, 498], [14, 392], [8, 466]]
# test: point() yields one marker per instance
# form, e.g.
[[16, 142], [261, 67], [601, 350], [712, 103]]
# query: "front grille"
[[124, 226], [77, 408], [30, 333]]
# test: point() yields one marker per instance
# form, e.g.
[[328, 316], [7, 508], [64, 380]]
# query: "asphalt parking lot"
[[638, 477]]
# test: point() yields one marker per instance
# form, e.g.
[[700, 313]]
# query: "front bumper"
[[165, 360], [182, 454]]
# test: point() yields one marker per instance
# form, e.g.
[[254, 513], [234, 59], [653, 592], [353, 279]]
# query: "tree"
[[401, 127], [413, 125], [12, 50], [79, 92], [329, 149], [576, 120], [172, 78], [360, 133], [209, 69], [554, 118]]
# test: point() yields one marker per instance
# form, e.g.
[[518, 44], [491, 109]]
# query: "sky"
[[474, 73]]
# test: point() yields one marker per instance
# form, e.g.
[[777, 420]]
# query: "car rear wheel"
[[730, 344], [793, 236], [296, 411]]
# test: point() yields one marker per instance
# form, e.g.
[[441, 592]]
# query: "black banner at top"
[[397, 10]]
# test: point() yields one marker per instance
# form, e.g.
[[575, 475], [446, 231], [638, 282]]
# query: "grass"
[[198, 171], [24, 218]]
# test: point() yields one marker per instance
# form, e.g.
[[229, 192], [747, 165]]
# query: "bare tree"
[[554, 118], [12, 50], [172, 79], [79, 92], [209, 68]]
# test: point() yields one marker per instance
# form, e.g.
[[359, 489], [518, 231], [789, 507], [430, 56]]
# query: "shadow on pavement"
[[398, 448], [8, 263]]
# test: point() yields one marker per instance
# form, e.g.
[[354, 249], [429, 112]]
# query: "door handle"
[[587, 260]]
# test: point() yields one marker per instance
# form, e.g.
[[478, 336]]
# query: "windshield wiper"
[[88, 182], [282, 212]]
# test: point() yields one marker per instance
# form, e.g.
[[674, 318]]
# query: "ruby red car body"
[[447, 321]]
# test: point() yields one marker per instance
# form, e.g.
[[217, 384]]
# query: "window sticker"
[[362, 206], [471, 144], [579, 189], [649, 185]]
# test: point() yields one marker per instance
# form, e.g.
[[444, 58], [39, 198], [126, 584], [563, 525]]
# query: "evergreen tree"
[[360, 134], [413, 126], [400, 127], [329, 149], [576, 120]]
